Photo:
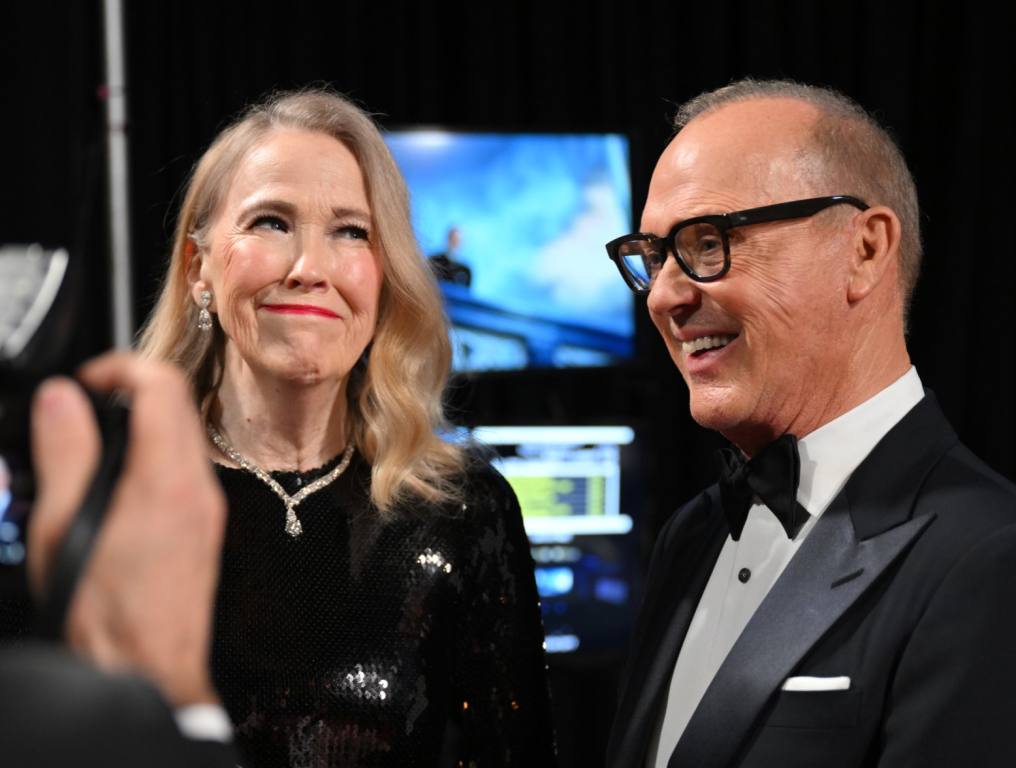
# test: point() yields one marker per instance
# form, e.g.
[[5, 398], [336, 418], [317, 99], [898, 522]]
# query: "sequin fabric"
[[411, 642]]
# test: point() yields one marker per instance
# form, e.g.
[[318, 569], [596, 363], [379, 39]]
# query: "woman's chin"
[[291, 364], [305, 373]]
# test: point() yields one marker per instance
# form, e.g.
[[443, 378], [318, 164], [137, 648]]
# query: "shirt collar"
[[831, 453]]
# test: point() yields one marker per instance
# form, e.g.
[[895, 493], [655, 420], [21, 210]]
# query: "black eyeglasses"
[[701, 244]]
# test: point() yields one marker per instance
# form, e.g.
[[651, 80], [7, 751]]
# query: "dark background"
[[941, 75]]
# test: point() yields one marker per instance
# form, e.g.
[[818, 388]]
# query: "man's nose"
[[672, 290]]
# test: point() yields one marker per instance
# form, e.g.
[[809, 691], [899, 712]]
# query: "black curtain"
[[939, 74]]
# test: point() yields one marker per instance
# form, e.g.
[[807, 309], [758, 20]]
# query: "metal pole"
[[116, 145]]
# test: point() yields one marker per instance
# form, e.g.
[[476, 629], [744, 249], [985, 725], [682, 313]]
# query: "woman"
[[377, 604]]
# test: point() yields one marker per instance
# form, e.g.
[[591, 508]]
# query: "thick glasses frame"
[[724, 222]]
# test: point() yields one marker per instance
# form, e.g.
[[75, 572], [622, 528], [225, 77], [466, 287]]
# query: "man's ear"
[[876, 251]]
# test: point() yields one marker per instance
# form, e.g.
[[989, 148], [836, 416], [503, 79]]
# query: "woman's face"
[[292, 261]]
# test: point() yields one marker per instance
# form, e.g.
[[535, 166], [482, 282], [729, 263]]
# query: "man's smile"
[[704, 343]]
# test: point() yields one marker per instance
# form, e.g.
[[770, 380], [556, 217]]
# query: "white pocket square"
[[816, 684]]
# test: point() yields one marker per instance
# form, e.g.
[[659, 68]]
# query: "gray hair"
[[852, 150]]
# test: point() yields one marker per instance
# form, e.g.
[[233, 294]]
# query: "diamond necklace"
[[293, 526]]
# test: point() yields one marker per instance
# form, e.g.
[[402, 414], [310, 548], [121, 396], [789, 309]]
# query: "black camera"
[[39, 297], [36, 315], [37, 305]]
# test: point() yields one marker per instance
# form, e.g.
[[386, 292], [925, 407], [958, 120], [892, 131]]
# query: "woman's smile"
[[300, 309]]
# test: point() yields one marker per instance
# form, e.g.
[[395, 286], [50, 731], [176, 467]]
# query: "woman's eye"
[[268, 221], [354, 232]]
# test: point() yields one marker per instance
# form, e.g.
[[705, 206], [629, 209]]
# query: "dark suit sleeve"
[[953, 702], [58, 711]]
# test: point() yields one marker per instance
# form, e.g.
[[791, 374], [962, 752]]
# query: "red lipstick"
[[299, 309]]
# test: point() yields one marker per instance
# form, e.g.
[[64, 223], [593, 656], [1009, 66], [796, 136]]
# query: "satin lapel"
[[673, 592], [830, 571], [864, 530], [883, 489]]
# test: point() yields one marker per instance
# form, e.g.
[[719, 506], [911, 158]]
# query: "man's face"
[[763, 347]]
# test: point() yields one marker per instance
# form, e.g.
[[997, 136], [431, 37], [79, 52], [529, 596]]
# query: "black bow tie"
[[772, 475]]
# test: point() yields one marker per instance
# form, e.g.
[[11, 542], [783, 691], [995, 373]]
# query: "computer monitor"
[[514, 226], [574, 492]]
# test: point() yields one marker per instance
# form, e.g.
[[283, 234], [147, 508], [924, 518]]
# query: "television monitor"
[[514, 226], [576, 500]]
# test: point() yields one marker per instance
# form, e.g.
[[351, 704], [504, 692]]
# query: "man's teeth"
[[706, 342]]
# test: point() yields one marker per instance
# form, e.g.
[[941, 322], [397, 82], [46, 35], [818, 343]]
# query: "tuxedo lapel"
[[831, 570], [675, 588], [861, 534]]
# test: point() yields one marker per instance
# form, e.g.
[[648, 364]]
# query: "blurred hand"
[[144, 602]]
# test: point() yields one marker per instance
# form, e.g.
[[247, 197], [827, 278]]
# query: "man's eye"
[[268, 221]]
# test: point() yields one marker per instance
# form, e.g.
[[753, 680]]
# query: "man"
[[445, 266], [863, 617], [142, 611]]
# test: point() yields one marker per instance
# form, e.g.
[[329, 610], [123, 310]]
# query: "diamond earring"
[[204, 316]]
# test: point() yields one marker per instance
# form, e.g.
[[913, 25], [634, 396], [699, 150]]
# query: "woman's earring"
[[204, 316]]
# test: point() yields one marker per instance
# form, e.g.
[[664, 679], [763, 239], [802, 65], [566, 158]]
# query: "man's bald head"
[[807, 321], [846, 150]]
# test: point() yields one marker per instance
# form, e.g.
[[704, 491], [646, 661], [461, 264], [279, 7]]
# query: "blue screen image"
[[520, 221]]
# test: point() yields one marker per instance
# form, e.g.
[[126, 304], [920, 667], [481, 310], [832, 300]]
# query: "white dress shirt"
[[747, 569]]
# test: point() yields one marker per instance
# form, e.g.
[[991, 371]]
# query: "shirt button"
[[743, 575]]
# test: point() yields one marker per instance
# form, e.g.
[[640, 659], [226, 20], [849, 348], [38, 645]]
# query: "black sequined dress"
[[412, 642]]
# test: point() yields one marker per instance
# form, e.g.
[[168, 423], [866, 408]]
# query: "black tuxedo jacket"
[[57, 711], [907, 584]]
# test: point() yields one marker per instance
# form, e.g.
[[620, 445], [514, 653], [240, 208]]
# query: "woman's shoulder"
[[478, 473], [476, 496], [479, 502], [484, 490]]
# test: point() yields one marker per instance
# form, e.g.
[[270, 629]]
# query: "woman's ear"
[[194, 262], [876, 251]]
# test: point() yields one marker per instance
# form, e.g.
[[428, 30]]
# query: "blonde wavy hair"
[[394, 401]]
